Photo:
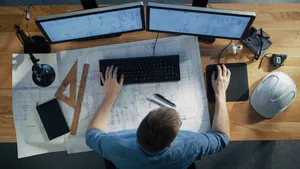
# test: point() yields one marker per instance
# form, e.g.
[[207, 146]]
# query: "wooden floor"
[[280, 21]]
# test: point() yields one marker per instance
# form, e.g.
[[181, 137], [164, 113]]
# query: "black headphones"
[[34, 44], [42, 74], [38, 44]]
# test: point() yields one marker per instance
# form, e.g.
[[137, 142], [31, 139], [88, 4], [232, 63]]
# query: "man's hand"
[[111, 85], [221, 120], [221, 83], [112, 89]]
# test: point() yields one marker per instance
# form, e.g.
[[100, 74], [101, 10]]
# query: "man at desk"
[[157, 143]]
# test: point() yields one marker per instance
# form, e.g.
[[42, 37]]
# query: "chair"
[[109, 165]]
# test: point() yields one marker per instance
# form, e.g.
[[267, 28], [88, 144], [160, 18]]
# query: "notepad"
[[52, 118]]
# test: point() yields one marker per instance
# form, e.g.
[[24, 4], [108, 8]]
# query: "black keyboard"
[[145, 69]]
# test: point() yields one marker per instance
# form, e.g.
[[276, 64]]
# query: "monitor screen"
[[92, 24], [204, 21]]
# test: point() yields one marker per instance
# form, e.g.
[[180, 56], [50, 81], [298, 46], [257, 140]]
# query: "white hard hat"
[[273, 94]]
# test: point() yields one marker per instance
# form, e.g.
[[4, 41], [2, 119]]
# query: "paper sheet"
[[31, 135], [132, 106]]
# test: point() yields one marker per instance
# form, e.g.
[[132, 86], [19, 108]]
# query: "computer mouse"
[[216, 70], [273, 94]]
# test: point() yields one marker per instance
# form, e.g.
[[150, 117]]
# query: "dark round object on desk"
[[40, 45], [43, 75]]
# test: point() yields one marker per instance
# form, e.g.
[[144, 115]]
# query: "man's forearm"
[[100, 119], [221, 120]]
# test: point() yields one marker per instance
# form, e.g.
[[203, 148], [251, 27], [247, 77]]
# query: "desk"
[[280, 21]]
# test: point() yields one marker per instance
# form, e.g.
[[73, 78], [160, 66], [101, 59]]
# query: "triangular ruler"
[[70, 79]]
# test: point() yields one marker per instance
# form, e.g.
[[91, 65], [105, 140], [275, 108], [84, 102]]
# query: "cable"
[[29, 33], [28, 30], [260, 50], [28, 13], [259, 66], [30, 5], [219, 57], [209, 5], [261, 47], [256, 57], [155, 44]]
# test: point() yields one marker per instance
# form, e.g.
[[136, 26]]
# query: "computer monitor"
[[92, 23], [198, 21]]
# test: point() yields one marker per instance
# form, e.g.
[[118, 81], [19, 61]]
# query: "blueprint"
[[31, 136], [131, 106]]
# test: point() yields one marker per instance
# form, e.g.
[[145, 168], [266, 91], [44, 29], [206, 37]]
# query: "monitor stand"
[[206, 39], [200, 3], [89, 4]]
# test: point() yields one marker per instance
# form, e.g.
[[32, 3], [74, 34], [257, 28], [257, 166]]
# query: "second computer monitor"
[[198, 21]]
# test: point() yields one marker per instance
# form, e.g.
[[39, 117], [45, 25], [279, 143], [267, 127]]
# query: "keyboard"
[[145, 69]]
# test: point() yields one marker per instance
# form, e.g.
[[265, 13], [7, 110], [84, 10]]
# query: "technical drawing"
[[131, 105]]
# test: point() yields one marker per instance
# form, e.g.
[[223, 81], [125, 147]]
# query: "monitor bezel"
[[251, 15], [91, 12]]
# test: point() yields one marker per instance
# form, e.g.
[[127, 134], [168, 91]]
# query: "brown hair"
[[158, 129]]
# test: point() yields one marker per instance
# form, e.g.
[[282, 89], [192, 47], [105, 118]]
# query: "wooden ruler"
[[79, 98], [71, 79]]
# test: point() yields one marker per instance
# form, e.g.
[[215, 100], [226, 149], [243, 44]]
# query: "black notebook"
[[53, 119], [238, 89]]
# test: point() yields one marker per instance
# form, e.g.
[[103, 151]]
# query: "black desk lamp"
[[42, 74]]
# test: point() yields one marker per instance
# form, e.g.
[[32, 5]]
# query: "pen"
[[155, 102], [163, 99]]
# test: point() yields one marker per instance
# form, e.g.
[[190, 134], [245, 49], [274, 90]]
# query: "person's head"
[[158, 129]]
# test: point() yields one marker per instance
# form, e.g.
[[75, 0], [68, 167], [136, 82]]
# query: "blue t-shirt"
[[123, 150]]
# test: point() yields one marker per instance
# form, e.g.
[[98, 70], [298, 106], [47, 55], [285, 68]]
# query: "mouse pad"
[[238, 89], [53, 119]]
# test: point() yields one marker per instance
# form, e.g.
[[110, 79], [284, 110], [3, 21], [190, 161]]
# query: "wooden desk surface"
[[280, 21]]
